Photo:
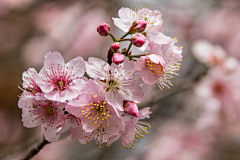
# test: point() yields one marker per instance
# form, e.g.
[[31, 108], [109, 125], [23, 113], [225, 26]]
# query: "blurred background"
[[198, 119]]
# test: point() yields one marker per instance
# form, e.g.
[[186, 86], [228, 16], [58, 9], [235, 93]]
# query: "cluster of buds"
[[103, 107]]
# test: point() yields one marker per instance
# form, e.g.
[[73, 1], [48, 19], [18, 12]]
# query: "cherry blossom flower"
[[99, 118], [116, 80], [133, 129], [42, 112], [160, 65], [68, 121], [153, 30], [61, 82], [207, 53], [30, 85]]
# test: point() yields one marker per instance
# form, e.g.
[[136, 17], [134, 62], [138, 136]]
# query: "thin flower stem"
[[113, 38], [35, 150], [125, 35], [136, 56], [124, 40], [130, 45]]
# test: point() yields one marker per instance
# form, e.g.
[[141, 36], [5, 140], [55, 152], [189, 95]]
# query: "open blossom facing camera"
[[61, 81], [42, 113], [104, 106], [116, 80], [99, 118]]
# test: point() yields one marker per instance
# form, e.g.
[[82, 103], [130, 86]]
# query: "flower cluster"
[[219, 88], [102, 106]]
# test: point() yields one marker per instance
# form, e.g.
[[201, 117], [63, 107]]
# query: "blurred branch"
[[35, 150]]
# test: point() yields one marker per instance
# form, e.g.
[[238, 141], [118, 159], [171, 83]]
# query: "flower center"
[[155, 68]]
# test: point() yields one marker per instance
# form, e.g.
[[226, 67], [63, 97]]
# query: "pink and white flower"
[[133, 129], [99, 118], [160, 65], [154, 29], [30, 85], [44, 113], [61, 81], [68, 121], [116, 80]]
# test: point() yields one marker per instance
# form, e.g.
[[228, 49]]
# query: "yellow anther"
[[104, 102], [83, 111], [83, 114], [81, 106], [95, 96], [91, 93], [90, 121]]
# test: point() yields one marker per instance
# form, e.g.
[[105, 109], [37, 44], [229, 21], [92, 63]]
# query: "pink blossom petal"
[[95, 68], [115, 99], [148, 77], [78, 66], [132, 92], [141, 63], [55, 57], [158, 37]]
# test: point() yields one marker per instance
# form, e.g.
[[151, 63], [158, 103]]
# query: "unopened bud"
[[131, 108], [117, 58], [138, 40], [115, 46], [138, 26], [103, 29]]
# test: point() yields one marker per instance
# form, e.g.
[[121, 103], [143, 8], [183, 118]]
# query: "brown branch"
[[35, 150]]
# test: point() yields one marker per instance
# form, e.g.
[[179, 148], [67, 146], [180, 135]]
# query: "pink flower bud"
[[138, 26], [115, 46], [138, 40], [103, 29], [131, 108], [117, 58]]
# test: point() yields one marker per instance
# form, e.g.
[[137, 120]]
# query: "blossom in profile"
[[116, 80], [60, 81], [44, 113], [30, 85], [134, 128], [161, 64], [99, 119], [67, 122], [153, 30]]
